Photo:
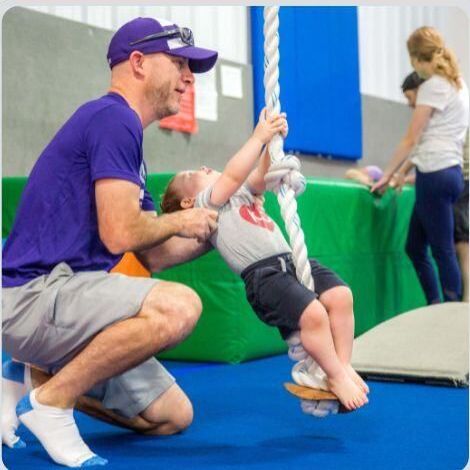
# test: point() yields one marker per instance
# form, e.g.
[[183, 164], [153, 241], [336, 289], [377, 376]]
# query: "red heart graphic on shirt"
[[256, 216]]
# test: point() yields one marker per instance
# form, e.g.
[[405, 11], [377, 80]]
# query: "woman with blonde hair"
[[435, 137]]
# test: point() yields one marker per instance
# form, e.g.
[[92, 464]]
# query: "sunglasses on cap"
[[185, 34]]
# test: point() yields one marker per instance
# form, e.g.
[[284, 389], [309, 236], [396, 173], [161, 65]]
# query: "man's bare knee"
[[180, 421], [171, 413], [172, 310]]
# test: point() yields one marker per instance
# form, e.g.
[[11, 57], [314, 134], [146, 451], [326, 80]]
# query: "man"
[[410, 89], [84, 206]]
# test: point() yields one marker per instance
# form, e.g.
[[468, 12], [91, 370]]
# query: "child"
[[254, 247], [367, 175]]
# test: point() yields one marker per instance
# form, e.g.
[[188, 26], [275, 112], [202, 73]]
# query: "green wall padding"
[[358, 235], [12, 188]]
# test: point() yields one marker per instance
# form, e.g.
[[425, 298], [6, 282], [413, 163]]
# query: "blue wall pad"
[[319, 78]]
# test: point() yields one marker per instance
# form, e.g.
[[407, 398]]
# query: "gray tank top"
[[245, 234]]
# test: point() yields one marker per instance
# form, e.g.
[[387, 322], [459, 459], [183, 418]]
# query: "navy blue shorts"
[[275, 294]]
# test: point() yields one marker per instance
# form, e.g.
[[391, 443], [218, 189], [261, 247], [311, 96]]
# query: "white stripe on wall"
[[223, 28], [383, 32]]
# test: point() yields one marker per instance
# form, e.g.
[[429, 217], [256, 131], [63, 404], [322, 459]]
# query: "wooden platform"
[[314, 394], [307, 393]]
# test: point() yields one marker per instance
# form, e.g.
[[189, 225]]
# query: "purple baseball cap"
[[136, 35]]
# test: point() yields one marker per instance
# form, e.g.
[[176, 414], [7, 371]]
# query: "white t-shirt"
[[441, 144], [245, 233]]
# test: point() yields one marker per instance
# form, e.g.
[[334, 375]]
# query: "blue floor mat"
[[245, 419]]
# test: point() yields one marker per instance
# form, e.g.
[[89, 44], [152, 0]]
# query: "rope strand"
[[286, 181], [285, 193]]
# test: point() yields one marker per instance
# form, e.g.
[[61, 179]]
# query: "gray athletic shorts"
[[47, 321]]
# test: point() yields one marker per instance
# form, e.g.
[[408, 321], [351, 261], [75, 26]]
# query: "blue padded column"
[[319, 78]]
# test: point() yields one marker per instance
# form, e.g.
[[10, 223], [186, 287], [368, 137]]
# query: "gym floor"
[[245, 419]]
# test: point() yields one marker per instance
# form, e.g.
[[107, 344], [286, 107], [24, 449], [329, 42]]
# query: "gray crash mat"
[[429, 344]]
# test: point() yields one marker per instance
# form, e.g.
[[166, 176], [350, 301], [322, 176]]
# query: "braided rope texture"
[[286, 181], [285, 193]]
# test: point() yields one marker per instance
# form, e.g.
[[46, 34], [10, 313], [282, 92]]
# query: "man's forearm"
[[124, 226], [172, 252], [144, 232]]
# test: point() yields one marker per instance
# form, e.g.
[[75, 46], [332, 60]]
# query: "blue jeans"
[[432, 225]]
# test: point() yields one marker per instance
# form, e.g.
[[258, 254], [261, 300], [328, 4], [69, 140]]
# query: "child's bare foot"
[[357, 379], [349, 394]]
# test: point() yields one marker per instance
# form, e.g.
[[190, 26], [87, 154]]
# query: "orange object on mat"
[[131, 266]]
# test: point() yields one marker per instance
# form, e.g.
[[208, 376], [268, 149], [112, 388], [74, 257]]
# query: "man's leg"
[[170, 413], [168, 315], [15, 383]]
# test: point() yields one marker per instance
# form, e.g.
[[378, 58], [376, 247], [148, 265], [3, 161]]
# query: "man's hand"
[[198, 223]]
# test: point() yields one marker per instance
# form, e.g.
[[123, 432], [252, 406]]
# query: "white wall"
[[383, 32], [223, 28]]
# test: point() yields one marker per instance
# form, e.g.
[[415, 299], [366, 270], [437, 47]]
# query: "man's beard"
[[159, 97]]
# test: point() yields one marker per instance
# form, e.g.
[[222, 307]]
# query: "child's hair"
[[426, 44], [171, 198]]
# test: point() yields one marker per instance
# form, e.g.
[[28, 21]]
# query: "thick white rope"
[[285, 180], [285, 193]]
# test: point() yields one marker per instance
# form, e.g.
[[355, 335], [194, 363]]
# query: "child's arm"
[[240, 165], [358, 176], [256, 178]]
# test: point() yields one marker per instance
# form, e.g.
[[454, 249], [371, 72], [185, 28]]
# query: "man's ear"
[[187, 202], [136, 60]]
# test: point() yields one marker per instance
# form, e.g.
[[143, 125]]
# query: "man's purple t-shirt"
[[56, 220]]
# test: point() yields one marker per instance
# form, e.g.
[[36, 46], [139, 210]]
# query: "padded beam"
[[428, 344]]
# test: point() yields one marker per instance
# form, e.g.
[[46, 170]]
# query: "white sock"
[[296, 351], [55, 428], [16, 381], [309, 374], [319, 408]]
